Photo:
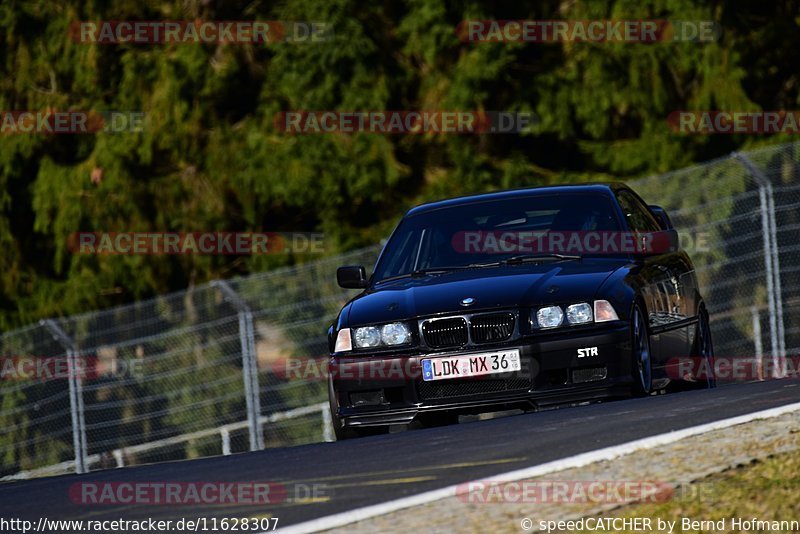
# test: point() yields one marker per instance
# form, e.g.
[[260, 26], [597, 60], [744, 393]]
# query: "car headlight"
[[604, 311], [395, 334], [368, 336], [343, 341], [579, 313], [381, 335], [576, 314], [549, 317]]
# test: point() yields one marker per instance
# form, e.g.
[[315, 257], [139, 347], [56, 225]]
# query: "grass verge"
[[765, 490]]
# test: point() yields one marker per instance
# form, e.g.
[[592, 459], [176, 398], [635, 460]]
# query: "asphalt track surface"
[[367, 471]]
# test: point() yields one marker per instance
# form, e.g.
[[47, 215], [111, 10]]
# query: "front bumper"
[[388, 389]]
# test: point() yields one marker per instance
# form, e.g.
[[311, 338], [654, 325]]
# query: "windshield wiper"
[[439, 270], [514, 260], [424, 272], [537, 258]]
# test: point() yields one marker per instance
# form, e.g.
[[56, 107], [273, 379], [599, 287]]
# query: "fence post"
[[225, 436], [75, 394], [771, 263], [119, 457], [757, 345], [249, 368], [327, 425], [777, 273]]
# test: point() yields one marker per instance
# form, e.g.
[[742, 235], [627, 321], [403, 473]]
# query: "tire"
[[342, 432], [703, 351], [641, 355]]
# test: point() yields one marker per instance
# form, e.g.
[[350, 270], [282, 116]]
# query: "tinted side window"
[[638, 216]]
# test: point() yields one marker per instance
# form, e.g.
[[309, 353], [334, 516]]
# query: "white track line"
[[580, 460]]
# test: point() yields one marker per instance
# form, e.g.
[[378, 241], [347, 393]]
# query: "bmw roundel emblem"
[[467, 301]]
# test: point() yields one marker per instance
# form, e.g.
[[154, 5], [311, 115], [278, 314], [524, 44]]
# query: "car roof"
[[593, 187]]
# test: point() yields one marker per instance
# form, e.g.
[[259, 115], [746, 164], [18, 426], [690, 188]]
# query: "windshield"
[[491, 231]]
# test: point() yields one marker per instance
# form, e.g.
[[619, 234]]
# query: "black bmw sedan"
[[517, 299]]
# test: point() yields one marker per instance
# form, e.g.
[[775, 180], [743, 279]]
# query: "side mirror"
[[351, 277], [662, 217], [673, 242], [656, 243]]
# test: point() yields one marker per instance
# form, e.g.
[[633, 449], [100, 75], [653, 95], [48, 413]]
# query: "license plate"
[[469, 365]]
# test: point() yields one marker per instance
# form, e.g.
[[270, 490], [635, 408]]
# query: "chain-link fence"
[[738, 216], [239, 365], [195, 373]]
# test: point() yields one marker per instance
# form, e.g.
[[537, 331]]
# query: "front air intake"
[[491, 328], [441, 333]]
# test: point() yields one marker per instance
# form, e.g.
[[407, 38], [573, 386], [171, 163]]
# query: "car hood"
[[491, 288]]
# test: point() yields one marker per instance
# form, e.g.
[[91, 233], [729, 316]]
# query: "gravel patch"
[[659, 473]]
